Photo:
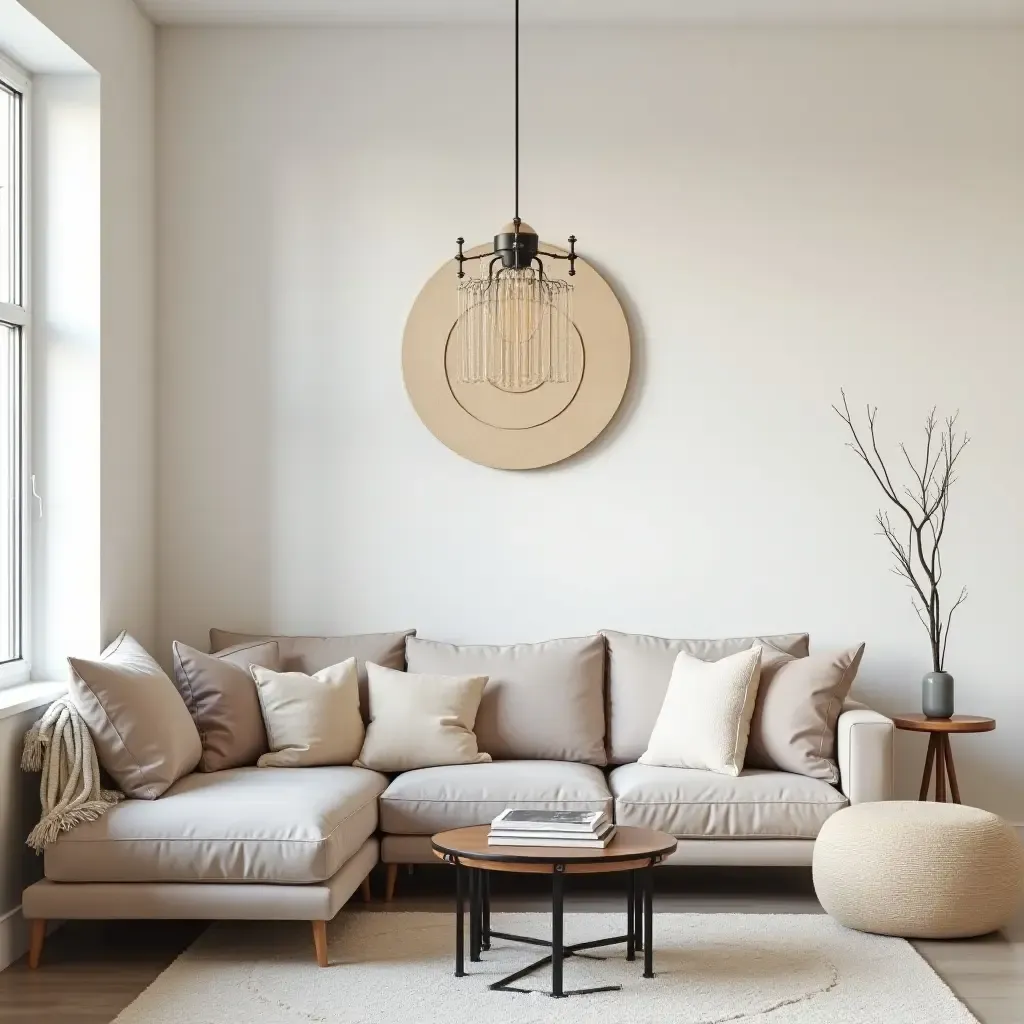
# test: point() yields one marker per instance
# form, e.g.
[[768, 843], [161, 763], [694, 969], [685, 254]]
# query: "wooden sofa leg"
[[366, 890], [320, 942], [390, 879], [36, 938]]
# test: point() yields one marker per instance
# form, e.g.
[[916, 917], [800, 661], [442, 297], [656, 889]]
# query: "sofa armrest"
[[865, 746]]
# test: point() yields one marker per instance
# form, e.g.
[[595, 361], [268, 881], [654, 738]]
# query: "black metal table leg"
[[638, 910], [630, 898], [557, 949], [460, 901], [485, 910], [648, 922], [476, 884], [474, 916]]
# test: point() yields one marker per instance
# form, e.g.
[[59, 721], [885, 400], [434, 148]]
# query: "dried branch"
[[956, 604], [925, 505]]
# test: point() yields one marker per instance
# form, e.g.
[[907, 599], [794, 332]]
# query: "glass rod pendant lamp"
[[515, 328]]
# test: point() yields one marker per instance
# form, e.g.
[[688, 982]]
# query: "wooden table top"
[[958, 723], [631, 848]]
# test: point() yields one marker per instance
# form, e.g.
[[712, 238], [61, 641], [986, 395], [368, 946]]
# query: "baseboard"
[[13, 937]]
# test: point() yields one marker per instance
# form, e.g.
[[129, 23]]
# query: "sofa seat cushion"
[[273, 825], [692, 804], [429, 800]]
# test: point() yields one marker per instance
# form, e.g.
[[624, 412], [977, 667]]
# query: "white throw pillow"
[[704, 721], [310, 720], [420, 721]]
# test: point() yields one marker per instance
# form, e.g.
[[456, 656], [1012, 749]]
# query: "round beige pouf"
[[919, 870]]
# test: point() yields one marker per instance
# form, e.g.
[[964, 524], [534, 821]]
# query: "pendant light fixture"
[[515, 329]]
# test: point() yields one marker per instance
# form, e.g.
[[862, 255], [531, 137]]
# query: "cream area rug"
[[397, 968]]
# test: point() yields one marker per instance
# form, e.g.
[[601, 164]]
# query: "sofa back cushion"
[[639, 669], [310, 654], [542, 701]]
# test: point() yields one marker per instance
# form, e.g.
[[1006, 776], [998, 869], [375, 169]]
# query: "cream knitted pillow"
[[705, 718]]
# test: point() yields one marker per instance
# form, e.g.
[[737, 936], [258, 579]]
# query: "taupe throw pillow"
[[420, 721], [144, 736], [221, 696], [310, 720], [310, 654], [799, 701]]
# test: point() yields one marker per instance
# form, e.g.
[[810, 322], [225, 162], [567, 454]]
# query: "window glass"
[[10, 513], [7, 197]]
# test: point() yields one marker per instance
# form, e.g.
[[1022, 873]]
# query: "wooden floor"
[[91, 971]]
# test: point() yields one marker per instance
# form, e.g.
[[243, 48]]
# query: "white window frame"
[[18, 670]]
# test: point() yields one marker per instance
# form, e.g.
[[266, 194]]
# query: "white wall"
[[119, 43], [782, 213], [65, 369]]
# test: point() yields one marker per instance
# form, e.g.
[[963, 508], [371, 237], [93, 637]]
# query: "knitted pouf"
[[918, 870]]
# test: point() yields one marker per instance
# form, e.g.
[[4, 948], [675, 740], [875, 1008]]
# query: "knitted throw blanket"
[[60, 746]]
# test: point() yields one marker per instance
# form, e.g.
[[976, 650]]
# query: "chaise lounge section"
[[248, 843]]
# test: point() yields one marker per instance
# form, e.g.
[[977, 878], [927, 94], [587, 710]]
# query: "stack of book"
[[580, 829]]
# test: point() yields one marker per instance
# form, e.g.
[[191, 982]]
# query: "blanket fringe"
[[32, 754], [52, 825], [60, 746]]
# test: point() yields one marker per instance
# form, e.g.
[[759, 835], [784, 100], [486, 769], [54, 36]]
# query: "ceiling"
[[710, 12]]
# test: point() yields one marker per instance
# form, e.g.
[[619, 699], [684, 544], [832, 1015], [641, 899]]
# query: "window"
[[14, 326]]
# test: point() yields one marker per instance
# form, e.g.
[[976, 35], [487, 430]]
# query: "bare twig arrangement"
[[924, 505]]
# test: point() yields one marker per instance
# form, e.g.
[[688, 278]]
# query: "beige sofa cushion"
[[798, 705], [309, 654], [310, 720], [144, 735], [221, 698], [692, 804], [274, 825], [418, 720], [543, 701], [431, 800], [705, 719], [639, 668]]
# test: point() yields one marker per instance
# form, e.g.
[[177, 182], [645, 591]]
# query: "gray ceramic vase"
[[937, 695]]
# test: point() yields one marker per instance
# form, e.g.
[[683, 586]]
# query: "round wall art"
[[517, 400]]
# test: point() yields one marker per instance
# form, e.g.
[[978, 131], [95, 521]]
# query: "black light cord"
[[517, 117]]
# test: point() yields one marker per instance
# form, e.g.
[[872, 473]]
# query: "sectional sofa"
[[564, 721]]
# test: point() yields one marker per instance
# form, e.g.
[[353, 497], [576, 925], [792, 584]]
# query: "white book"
[[549, 821], [573, 844], [569, 837]]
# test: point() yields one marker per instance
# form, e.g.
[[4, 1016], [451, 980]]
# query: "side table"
[[940, 753]]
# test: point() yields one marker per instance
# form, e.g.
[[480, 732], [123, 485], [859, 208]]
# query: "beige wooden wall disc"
[[524, 430]]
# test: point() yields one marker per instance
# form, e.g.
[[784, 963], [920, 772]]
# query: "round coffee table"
[[633, 851], [940, 753]]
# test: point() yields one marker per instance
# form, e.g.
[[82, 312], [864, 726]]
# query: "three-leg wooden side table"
[[940, 753]]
